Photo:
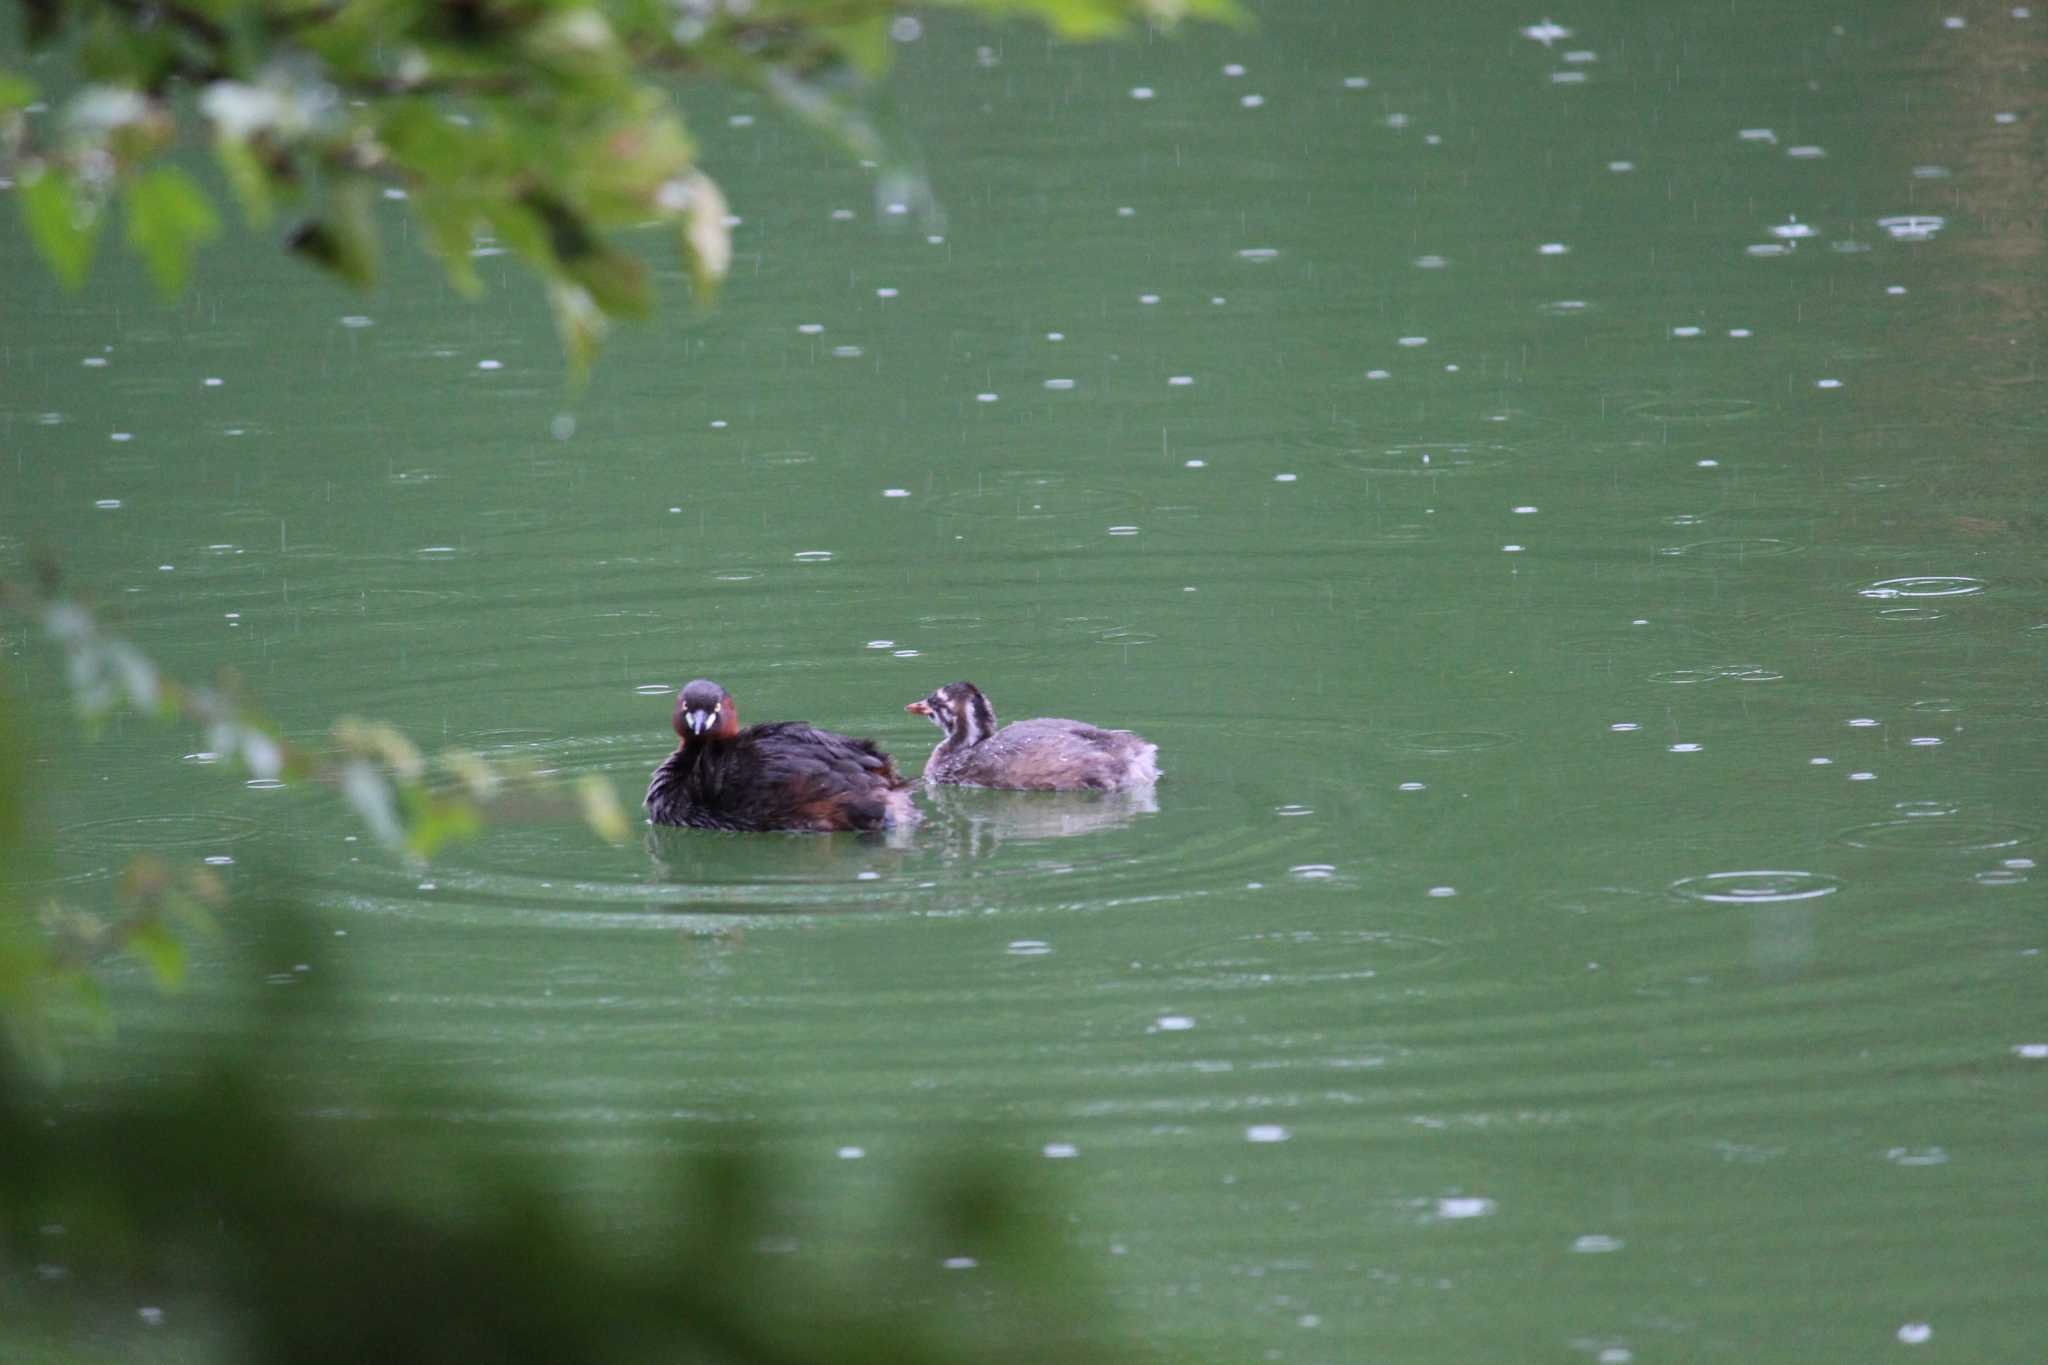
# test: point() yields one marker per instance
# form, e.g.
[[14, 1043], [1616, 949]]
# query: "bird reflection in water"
[[976, 821], [803, 872]]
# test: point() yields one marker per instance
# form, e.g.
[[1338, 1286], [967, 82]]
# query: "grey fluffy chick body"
[[1047, 754]]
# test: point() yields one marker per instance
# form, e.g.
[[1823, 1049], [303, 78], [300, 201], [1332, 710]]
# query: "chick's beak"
[[918, 708]]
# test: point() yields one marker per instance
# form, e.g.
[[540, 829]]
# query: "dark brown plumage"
[[786, 775]]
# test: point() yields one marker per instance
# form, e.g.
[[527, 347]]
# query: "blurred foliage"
[[411, 802], [48, 948], [250, 1203], [540, 125]]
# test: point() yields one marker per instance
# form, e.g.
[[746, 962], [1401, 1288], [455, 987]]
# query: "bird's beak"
[[918, 708], [697, 722]]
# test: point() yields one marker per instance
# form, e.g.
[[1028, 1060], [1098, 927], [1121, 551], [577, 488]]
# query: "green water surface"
[[1569, 515]]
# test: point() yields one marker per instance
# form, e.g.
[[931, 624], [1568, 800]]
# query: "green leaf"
[[707, 240], [863, 42], [64, 225], [521, 230], [599, 801], [569, 236], [157, 946], [619, 169], [451, 221], [425, 143], [618, 282], [575, 39], [615, 282], [581, 325], [220, 11], [432, 821], [1101, 18], [247, 176], [124, 53], [169, 216], [345, 240], [16, 92]]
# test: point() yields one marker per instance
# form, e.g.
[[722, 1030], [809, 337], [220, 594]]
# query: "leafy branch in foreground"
[[411, 802], [48, 950], [536, 125], [261, 1195]]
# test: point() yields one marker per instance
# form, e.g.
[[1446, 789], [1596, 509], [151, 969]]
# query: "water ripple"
[[1929, 585], [1496, 439], [1755, 547], [1936, 832], [1695, 409], [1756, 888], [1300, 956], [1452, 741], [1033, 495], [158, 831]]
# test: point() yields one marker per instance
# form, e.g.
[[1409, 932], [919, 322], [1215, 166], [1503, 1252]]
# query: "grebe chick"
[[781, 776], [1030, 755]]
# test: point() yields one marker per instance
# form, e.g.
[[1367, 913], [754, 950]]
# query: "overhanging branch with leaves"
[[549, 126]]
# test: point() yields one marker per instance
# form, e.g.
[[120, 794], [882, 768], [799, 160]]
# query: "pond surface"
[[1568, 508]]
